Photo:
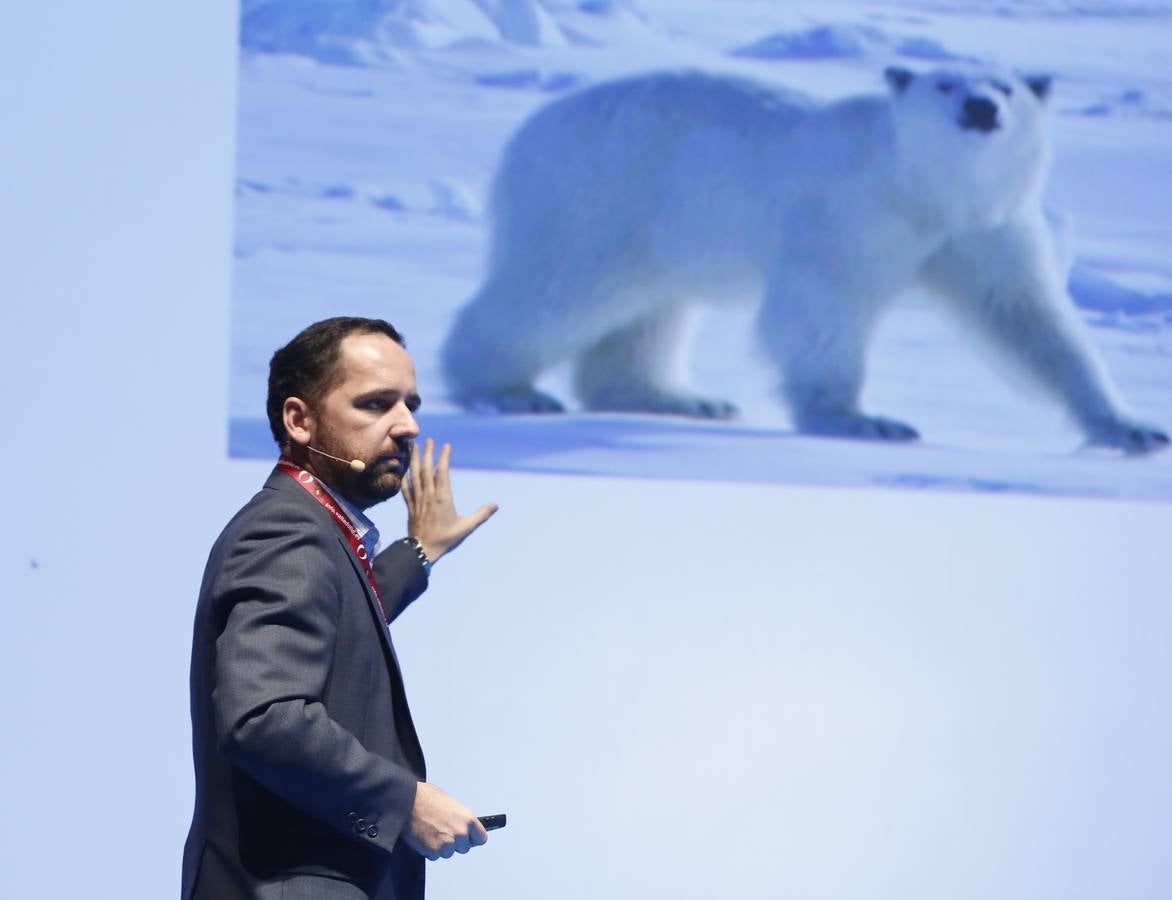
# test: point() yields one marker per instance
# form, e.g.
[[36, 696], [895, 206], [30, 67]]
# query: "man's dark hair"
[[306, 367]]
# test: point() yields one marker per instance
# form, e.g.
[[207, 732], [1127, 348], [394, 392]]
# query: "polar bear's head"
[[977, 133]]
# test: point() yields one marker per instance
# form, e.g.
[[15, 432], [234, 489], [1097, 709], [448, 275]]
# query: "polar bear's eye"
[[1004, 88], [944, 87]]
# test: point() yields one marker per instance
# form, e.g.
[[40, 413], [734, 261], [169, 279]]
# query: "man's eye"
[[1004, 88]]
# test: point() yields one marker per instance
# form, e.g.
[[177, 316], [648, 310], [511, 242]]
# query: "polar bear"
[[617, 208]]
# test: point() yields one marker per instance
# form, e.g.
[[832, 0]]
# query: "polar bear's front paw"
[[868, 428], [659, 402], [509, 400], [1129, 435]]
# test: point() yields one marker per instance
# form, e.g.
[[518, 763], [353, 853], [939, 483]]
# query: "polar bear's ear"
[[1039, 84], [898, 78]]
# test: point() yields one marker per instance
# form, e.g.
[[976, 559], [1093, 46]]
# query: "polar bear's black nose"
[[980, 113]]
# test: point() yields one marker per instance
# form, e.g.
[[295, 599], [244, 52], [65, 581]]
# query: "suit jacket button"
[[353, 816], [372, 831], [360, 825]]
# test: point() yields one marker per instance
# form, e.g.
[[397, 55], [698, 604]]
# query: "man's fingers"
[[482, 515], [432, 517], [478, 835], [469, 524], [445, 461], [427, 472], [410, 482]]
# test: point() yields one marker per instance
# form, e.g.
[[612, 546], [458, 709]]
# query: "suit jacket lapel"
[[278, 480], [410, 740], [371, 599]]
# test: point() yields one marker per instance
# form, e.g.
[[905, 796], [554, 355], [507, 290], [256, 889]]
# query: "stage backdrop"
[[675, 688], [369, 134]]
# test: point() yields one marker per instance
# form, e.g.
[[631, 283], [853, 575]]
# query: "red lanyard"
[[307, 481]]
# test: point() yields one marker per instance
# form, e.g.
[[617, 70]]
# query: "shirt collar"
[[367, 532]]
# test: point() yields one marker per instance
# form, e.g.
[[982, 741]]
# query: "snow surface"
[[368, 133]]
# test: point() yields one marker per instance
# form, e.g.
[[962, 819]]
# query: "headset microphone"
[[356, 465]]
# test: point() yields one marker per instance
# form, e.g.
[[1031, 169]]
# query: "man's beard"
[[374, 484]]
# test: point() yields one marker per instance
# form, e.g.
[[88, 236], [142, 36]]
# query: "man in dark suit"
[[310, 780]]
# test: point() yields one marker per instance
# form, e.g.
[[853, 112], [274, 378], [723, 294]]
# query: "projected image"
[[919, 244]]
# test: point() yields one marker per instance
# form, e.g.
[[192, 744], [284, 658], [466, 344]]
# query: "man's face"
[[368, 415]]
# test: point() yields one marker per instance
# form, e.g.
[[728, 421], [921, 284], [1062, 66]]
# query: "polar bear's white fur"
[[618, 207]]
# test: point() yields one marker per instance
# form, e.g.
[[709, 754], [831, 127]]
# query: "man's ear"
[[299, 421], [898, 78]]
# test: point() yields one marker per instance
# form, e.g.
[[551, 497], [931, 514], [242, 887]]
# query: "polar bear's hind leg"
[[490, 360], [640, 368]]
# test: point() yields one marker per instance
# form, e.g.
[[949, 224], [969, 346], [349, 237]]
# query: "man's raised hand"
[[431, 510]]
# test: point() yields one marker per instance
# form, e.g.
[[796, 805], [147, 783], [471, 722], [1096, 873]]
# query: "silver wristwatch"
[[414, 544]]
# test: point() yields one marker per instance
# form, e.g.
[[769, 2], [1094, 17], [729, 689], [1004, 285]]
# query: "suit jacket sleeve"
[[281, 591], [400, 578]]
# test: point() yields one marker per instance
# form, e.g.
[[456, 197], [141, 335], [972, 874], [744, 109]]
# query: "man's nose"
[[405, 425]]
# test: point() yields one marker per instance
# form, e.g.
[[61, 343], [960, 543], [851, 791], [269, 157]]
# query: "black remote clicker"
[[491, 823]]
